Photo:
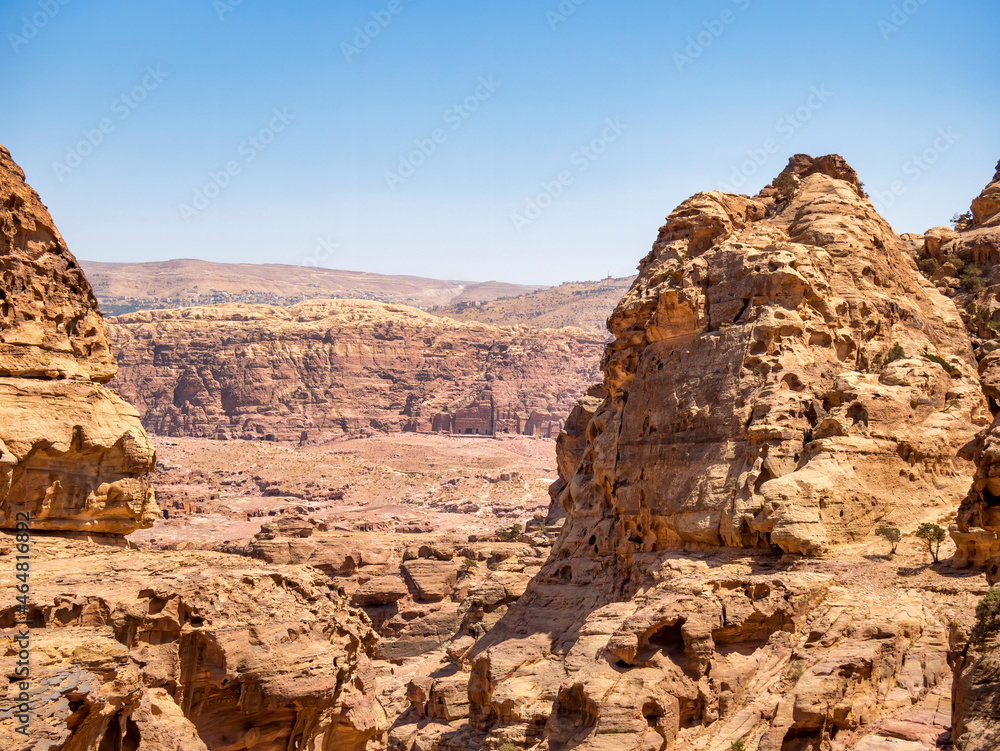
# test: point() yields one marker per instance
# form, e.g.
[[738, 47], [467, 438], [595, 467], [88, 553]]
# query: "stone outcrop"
[[325, 368], [189, 651], [782, 380], [419, 597], [976, 695], [972, 251], [781, 376], [73, 454]]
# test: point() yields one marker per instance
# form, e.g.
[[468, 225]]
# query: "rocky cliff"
[[188, 651], [130, 650], [325, 368], [964, 263], [782, 380], [73, 454]]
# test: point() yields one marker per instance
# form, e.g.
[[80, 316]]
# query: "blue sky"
[[531, 142]]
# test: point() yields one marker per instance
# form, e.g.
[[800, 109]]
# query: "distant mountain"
[[126, 287], [586, 305]]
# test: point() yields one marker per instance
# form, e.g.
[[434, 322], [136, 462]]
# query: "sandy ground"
[[221, 491]]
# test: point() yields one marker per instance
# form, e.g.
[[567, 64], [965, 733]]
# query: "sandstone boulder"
[[73, 454], [986, 208], [785, 381], [245, 654]]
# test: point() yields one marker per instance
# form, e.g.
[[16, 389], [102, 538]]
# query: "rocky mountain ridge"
[[782, 380], [321, 369], [127, 287]]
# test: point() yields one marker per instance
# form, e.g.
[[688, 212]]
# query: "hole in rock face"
[[668, 638], [989, 498], [592, 540], [114, 740], [858, 414], [746, 304], [565, 574], [623, 665], [764, 476], [652, 712]]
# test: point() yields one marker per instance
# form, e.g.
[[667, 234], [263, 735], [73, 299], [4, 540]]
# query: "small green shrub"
[[948, 367], [987, 616], [892, 536], [510, 534], [933, 536], [972, 279], [737, 746], [796, 669], [896, 352], [929, 266], [786, 185], [962, 221], [955, 261]]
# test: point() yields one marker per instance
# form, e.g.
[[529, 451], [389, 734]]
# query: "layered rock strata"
[[782, 379], [189, 651], [73, 454], [782, 376], [326, 368], [972, 253]]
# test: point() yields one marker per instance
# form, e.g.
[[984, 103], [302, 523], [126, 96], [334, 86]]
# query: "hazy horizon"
[[530, 143]]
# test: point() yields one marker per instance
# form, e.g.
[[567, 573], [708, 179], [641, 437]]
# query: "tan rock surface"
[[750, 360], [50, 326], [752, 402], [253, 656], [976, 697], [73, 454], [986, 208], [75, 457], [324, 368]]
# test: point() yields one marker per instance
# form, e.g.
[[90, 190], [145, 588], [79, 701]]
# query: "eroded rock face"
[[977, 696], [190, 651], [986, 208], [50, 326], [782, 379], [752, 400], [710, 652], [973, 252], [73, 454], [325, 368]]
